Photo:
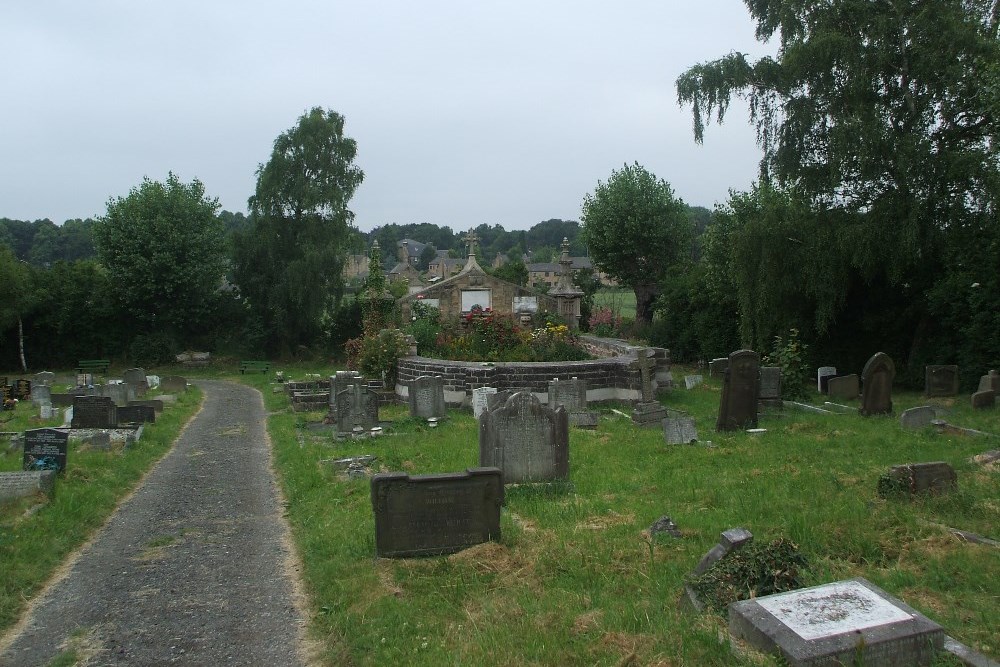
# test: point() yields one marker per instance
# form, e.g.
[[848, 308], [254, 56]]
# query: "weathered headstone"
[[357, 406], [918, 417], [717, 367], [845, 622], [339, 382], [84, 379], [990, 382], [499, 399], [135, 414], [572, 395], [424, 515], [528, 441], [153, 381], [844, 387], [941, 381], [41, 393], [172, 384], [426, 397], [823, 375], [94, 412], [46, 378], [770, 385], [480, 399], [118, 392], [45, 449], [876, 385], [134, 375], [22, 389], [692, 381], [648, 412], [982, 400], [738, 404], [679, 430], [28, 483], [917, 478]]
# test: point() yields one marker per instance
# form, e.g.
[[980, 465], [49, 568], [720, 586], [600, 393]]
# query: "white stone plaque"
[[832, 609], [525, 304], [479, 297], [480, 396]]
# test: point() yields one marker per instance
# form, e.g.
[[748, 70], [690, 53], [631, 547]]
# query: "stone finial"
[[471, 239]]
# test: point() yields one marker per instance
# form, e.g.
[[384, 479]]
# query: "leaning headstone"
[[692, 381], [990, 382], [717, 367], [94, 412], [823, 375], [941, 381], [528, 441], [28, 483], [41, 393], [983, 400], [153, 381], [917, 478], [425, 515], [843, 387], [770, 386], [135, 414], [46, 378], [45, 449], [572, 395], [738, 404], [480, 399], [173, 384], [679, 430], [426, 398], [357, 407], [843, 623], [918, 417], [876, 385], [729, 541]]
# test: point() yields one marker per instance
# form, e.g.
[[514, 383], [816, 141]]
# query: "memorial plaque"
[[94, 412], [45, 449], [21, 484], [983, 400], [425, 515], [845, 622], [528, 441], [135, 414], [525, 304], [844, 387], [692, 381], [480, 399], [916, 478], [738, 404], [22, 389], [823, 375], [876, 385], [918, 417], [941, 381], [426, 398], [770, 383], [679, 430]]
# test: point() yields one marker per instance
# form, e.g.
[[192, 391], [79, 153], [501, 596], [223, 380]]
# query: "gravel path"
[[192, 569]]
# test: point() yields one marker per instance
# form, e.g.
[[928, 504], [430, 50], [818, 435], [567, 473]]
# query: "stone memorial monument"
[[648, 412], [844, 387], [480, 400], [940, 381], [876, 385], [94, 412], [528, 441], [738, 404], [426, 398], [45, 449], [357, 406], [823, 375], [679, 430], [572, 395]]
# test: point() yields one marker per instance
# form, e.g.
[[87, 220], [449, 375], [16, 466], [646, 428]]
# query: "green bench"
[[95, 366], [254, 367]]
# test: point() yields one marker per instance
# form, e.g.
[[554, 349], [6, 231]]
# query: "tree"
[[16, 296], [163, 249], [636, 229], [513, 271], [289, 263], [427, 255]]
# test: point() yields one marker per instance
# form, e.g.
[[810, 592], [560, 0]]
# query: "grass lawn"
[[620, 300], [576, 578]]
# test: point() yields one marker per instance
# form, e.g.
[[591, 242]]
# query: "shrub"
[[789, 355], [376, 356], [603, 322]]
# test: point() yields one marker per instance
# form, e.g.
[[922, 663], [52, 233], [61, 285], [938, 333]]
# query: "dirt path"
[[192, 569]]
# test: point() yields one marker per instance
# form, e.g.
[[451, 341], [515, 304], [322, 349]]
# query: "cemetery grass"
[[620, 300], [36, 536], [576, 578]]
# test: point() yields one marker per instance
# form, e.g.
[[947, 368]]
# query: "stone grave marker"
[[153, 381], [135, 414], [84, 379], [679, 430], [845, 622], [118, 392], [45, 449], [94, 412], [717, 367], [425, 515], [983, 400], [572, 395], [876, 385], [843, 387], [28, 483], [41, 393], [154, 403], [738, 404], [770, 386], [340, 381], [134, 375], [917, 478], [499, 399], [480, 399], [426, 397], [528, 441], [357, 406], [692, 381], [4, 380], [46, 378], [22, 389], [918, 417], [940, 381], [823, 375], [172, 384], [648, 412], [990, 382]]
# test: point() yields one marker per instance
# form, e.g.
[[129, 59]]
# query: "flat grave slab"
[[28, 483], [844, 622]]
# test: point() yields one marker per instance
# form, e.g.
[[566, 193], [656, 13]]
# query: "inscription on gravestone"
[[941, 381], [770, 383], [876, 385], [45, 449], [426, 398], [94, 412], [738, 404], [357, 406], [528, 441], [21, 484], [679, 430], [425, 515]]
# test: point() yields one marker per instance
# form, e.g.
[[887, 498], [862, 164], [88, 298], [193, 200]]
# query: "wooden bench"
[[254, 367], [95, 366]]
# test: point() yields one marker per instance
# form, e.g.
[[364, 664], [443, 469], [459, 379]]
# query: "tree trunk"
[[20, 342], [645, 299]]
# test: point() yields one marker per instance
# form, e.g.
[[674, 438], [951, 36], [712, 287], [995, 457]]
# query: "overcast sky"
[[464, 112]]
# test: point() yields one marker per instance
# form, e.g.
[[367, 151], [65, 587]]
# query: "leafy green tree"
[[427, 256], [636, 230], [288, 264], [163, 249], [16, 296], [513, 271]]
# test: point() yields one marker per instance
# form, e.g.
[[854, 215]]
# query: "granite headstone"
[[528, 441], [426, 398], [876, 385], [45, 449], [941, 380], [738, 404]]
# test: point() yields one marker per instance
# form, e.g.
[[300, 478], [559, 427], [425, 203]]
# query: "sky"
[[464, 112]]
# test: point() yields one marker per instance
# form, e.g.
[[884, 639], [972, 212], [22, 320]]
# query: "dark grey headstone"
[[94, 412], [770, 383], [528, 441], [499, 399], [173, 384], [918, 417], [717, 367], [983, 400], [738, 404], [357, 406], [846, 622], [844, 387], [28, 483], [571, 394], [679, 430], [136, 414], [425, 515], [134, 375], [154, 403], [941, 380], [917, 478], [823, 375], [119, 392], [426, 398], [990, 382], [45, 449], [341, 381], [876, 385], [62, 400]]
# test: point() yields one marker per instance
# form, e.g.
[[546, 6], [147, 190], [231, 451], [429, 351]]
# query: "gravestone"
[[153, 381], [769, 392], [692, 381], [357, 406], [528, 441], [22, 389], [572, 395], [918, 417], [648, 412], [738, 404], [339, 381], [876, 385], [990, 382], [136, 414], [499, 399], [480, 399], [843, 623], [119, 392], [27, 483], [679, 430], [84, 379], [172, 384], [41, 393], [426, 398], [917, 478], [134, 375], [94, 412], [154, 403], [940, 381], [844, 387], [823, 375], [45, 449], [425, 515], [717, 367], [983, 400], [46, 378]]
